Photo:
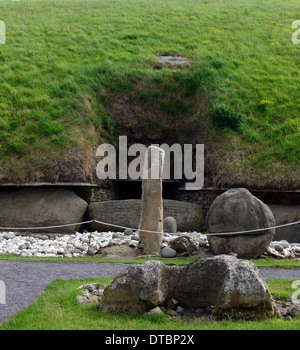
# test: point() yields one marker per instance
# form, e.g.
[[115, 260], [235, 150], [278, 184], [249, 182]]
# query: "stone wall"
[[177, 203], [189, 216], [285, 214]]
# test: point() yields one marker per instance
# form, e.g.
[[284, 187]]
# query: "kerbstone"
[[238, 210], [189, 216], [42, 207]]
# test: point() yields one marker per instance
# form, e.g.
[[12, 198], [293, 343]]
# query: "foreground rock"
[[42, 207], [238, 210], [234, 288], [141, 288]]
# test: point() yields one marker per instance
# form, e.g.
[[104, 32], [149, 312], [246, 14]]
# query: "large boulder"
[[234, 287], [140, 287], [238, 210], [127, 212], [285, 214], [42, 207]]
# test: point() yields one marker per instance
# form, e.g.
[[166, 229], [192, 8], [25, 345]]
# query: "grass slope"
[[64, 60]]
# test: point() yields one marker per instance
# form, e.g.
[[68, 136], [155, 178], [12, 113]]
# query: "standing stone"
[[152, 202]]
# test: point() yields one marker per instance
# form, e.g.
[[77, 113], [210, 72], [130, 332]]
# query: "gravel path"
[[292, 274], [26, 280]]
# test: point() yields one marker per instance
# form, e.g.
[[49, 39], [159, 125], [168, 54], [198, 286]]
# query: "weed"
[[225, 117]]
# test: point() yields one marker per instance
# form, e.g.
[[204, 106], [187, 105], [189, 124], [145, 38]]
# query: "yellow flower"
[[273, 22], [263, 102]]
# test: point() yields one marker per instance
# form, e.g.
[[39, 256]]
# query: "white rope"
[[211, 234], [131, 228], [44, 227], [255, 230]]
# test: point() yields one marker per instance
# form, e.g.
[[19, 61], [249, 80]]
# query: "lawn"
[[67, 65], [267, 262], [55, 309]]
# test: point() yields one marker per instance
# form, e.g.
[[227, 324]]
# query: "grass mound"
[[69, 68]]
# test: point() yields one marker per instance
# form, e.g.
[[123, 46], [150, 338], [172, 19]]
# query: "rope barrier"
[[131, 228], [44, 227], [255, 230], [211, 234]]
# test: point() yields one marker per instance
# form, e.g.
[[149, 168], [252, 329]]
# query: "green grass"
[[268, 262], [61, 56], [55, 309], [102, 259], [276, 263]]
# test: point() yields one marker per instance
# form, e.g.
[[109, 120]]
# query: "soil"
[[120, 252], [287, 311]]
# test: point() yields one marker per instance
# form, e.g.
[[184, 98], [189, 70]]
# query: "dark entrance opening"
[[126, 189]]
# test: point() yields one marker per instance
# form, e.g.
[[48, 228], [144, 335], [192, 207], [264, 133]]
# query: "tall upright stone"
[[152, 201]]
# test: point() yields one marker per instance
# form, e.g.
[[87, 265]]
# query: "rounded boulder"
[[238, 210], [170, 225]]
